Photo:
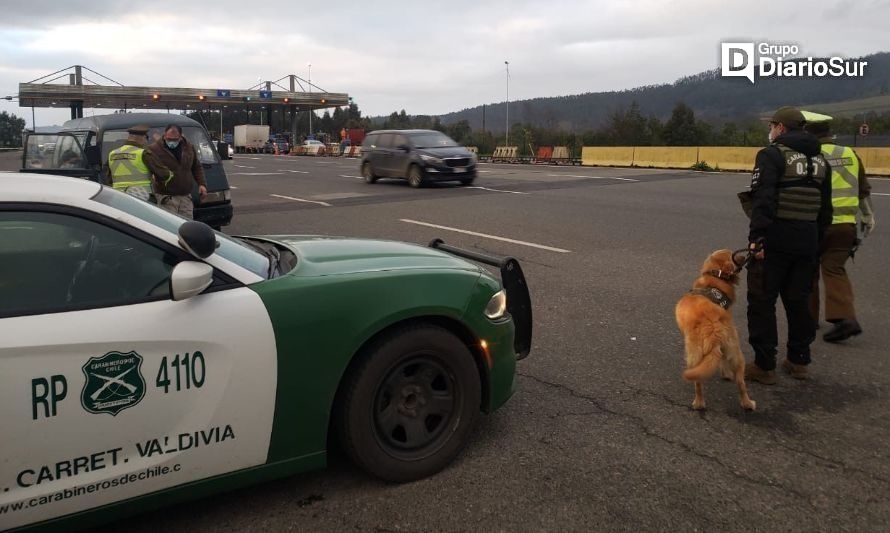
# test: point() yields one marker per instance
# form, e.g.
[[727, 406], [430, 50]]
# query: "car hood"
[[325, 256], [446, 151]]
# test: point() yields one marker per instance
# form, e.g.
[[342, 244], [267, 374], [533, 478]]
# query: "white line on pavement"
[[301, 200], [242, 166], [590, 177], [467, 232], [356, 177], [493, 190], [880, 194], [297, 171], [232, 187], [256, 173]]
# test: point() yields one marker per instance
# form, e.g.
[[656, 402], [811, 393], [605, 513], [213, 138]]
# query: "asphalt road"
[[600, 434]]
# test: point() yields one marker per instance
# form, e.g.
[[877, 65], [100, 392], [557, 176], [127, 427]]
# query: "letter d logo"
[[737, 60]]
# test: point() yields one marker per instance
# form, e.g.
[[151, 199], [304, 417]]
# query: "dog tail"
[[705, 369]]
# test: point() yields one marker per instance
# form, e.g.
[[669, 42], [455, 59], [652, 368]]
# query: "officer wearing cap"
[[850, 194], [790, 201], [131, 168]]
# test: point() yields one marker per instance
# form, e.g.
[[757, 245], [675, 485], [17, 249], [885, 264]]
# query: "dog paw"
[[698, 405], [750, 405]]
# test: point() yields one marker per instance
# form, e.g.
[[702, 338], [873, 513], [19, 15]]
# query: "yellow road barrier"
[[876, 160], [728, 157], [665, 156], [604, 156]]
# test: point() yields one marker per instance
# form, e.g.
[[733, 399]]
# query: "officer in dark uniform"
[[790, 207]]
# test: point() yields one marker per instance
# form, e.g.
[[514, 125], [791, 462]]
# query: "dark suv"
[[420, 156]]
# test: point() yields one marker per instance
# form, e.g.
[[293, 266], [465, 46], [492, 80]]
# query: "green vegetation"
[[11, 128]]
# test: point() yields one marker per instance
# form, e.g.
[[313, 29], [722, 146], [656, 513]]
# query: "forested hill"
[[713, 98]]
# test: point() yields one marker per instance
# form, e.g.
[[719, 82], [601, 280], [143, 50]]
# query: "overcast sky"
[[426, 57]]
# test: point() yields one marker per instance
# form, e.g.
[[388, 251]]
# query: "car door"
[[383, 155], [109, 389], [56, 153], [401, 156]]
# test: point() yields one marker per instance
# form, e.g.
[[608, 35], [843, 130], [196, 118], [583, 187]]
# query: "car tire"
[[415, 176], [467, 181], [368, 173], [408, 407]]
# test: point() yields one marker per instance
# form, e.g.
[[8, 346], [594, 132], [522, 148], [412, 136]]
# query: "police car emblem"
[[113, 383]]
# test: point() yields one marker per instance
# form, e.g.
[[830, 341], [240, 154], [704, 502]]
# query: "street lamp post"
[[507, 138], [310, 104]]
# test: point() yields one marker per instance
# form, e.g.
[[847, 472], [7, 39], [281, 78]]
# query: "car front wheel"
[[415, 176], [407, 408]]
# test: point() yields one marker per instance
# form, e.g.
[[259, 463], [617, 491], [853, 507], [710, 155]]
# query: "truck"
[[250, 138]]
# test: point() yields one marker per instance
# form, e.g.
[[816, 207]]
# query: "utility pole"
[[507, 138]]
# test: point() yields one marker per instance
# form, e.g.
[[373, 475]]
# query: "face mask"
[[172, 144]]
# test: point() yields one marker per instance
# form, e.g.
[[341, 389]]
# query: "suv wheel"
[[415, 176], [368, 173]]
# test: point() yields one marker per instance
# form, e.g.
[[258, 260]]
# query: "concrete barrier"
[[665, 156], [728, 157], [607, 156], [876, 160], [560, 152], [544, 155]]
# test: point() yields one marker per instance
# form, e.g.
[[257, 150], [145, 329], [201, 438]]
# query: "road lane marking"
[[297, 171], [232, 187], [589, 177], [301, 200], [495, 237], [493, 190], [256, 173], [242, 166], [880, 194], [356, 177]]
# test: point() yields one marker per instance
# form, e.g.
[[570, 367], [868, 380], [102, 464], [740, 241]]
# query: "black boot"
[[842, 330]]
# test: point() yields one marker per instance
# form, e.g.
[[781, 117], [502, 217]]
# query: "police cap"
[[812, 117], [791, 117], [139, 129]]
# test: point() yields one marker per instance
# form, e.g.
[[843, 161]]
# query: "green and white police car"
[[145, 360]]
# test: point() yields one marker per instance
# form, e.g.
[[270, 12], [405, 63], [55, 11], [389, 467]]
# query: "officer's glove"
[[868, 216], [867, 224]]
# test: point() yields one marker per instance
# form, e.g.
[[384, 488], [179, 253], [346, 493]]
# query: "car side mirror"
[[190, 278], [222, 148], [198, 239], [93, 155], [404, 148]]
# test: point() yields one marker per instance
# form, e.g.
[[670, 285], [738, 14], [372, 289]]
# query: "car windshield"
[[431, 140], [230, 248], [112, 139]]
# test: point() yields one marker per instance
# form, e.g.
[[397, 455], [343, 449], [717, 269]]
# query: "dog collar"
[[715, 295], [725, 276]]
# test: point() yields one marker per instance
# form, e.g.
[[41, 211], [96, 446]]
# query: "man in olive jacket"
[[180, 156]]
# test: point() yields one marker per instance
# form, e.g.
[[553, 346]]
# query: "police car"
[[146, 360]]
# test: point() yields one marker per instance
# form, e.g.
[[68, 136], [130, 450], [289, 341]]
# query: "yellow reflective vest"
[[844, 182], [127, 168]]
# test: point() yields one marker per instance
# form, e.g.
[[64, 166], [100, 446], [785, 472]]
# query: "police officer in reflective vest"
[[850, 194], [790, 206], [132, 168]]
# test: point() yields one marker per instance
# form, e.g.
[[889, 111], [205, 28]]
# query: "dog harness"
[[714, 294]]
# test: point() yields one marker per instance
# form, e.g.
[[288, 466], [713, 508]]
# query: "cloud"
[[424, 57]]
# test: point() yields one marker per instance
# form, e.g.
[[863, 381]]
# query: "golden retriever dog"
[[712, 341]]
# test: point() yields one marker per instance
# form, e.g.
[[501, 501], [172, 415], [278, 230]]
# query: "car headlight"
[[431, 159], [497, 305]]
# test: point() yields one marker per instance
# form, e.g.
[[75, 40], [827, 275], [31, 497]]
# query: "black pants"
[[791, 277]]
